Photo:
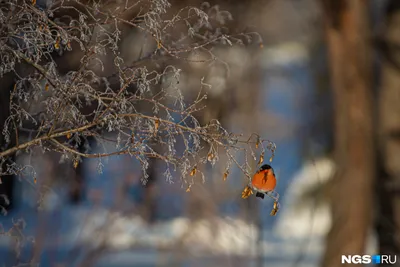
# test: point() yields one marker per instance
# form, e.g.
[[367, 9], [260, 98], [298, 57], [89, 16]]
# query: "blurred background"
[[322, 84]]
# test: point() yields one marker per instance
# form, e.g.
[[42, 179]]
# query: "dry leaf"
[[69, 135], [158, 44], [34, 180], [33, 2], [210, 156], [188, 189], [257, 142], [76, 162]]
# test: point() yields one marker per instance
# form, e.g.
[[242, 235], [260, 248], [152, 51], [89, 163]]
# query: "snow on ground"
[[301, 222], [217, 236], [292, 239], [222, 235]]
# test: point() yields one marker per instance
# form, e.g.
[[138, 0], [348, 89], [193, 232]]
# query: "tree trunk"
[[6, 181], [349, 54], [388, 219]]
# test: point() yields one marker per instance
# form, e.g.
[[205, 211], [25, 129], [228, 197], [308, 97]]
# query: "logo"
[[376, 259], [367, 259]]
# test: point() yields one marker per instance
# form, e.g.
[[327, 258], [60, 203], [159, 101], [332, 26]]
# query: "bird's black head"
[[265, 167]]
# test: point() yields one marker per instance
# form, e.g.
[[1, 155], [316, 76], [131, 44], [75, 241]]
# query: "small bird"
[[264, 180], [264, 183]]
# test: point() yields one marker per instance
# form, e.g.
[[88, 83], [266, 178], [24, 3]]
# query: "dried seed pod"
[[226, 175], [210, 156], [69, 135], [156, 125], [261, 159], [194, 171], [76, 162], [247, 192], [188, 189], [275, 209], [57, 44]]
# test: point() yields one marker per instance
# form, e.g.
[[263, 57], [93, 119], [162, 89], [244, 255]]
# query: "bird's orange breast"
[[264, 180]]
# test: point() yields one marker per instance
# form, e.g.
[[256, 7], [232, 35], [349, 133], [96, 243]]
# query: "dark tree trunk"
[[349, 55], [7, 181], [388, 219]]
